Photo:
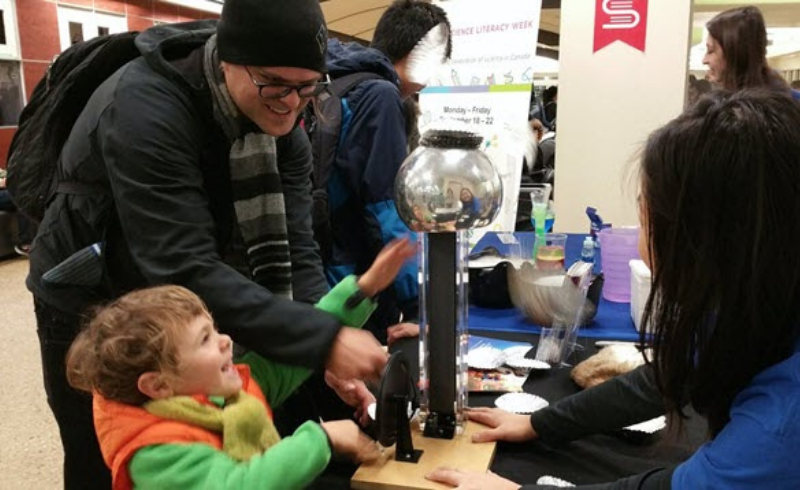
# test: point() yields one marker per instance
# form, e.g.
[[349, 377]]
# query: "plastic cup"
[[551, 251], [556, 343], [524, 246], [618, 246]]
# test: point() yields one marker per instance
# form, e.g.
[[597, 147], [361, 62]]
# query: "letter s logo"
[[621, 14]]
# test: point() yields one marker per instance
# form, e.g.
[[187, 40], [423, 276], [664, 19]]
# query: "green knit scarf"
[[243, 422]]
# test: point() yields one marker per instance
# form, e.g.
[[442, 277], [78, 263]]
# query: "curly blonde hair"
[[133, 335]]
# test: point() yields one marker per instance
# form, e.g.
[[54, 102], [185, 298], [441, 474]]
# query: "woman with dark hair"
[[719, 208], [736, 52], [470, 208]]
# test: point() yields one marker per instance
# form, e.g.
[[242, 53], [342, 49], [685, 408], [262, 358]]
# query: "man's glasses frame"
[[281, 90]]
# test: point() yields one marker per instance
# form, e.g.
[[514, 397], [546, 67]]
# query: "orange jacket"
[[124, 429]]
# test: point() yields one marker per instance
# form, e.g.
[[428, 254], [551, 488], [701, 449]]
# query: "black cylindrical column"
[[441, 306]]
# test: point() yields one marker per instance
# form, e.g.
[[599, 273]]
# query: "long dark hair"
[[721, 191], [742, 35]]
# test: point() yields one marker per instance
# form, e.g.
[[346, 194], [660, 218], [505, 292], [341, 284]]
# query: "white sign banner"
[[491, 45]]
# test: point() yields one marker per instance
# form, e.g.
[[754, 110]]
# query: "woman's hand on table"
[[470, 480], [505, 426]]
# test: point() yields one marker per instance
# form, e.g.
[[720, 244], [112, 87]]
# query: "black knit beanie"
[[273, 33]]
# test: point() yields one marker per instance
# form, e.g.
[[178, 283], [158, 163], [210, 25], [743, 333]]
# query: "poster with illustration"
[[491, 46]]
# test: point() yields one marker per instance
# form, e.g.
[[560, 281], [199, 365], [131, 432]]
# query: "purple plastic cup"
[[618, 246]]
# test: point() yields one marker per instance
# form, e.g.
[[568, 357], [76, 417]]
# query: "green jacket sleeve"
[[335, 303], [277, 380], [293, 463]]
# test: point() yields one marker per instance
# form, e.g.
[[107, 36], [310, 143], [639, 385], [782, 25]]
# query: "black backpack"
[[47, 120], [323, 125]]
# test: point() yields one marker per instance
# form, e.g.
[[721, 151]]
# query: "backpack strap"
[[340, 86], [328, 130]]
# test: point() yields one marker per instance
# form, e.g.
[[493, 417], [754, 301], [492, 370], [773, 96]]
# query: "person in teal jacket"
[[173, 410]]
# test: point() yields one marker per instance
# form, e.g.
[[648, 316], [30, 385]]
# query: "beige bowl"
[[545, 297]]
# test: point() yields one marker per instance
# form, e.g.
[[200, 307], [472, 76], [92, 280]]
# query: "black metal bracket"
[[404, 451], [440, 425]]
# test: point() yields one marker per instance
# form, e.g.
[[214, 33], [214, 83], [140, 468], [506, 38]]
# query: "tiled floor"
[[30, 450]]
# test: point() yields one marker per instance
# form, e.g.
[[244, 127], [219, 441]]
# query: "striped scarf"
[[257, 189]]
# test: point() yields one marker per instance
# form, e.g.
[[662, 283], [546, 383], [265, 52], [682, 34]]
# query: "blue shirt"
[[760, 445]]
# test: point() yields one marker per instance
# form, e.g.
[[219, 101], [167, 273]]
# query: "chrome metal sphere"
[[448, 184]]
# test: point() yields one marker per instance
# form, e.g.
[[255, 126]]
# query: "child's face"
[[205, 360]]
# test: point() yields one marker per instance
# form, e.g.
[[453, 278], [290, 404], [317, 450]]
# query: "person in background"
[[25, 230], [550, 101], [411, 40], [736, 52], [545, 110], [469, 203], [172, 410], [412, 112], [207, 180], [795, 85], [729, 345]]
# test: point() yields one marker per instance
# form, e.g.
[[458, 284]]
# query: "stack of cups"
[[618, 246]]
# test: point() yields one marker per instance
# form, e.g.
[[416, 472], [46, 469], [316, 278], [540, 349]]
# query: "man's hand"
[[504, 426], [347, 439], [401, 330], [354, 393], [386, 266], [470, 480], [356, 354]]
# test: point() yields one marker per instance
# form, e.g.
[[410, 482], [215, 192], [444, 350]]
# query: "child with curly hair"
[[173, 410]]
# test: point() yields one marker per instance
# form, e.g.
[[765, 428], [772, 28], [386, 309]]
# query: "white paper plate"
[[485, 358], [553, 481], [650, 426], [520, 402], [525, 363], [517, 351], [515, 357]]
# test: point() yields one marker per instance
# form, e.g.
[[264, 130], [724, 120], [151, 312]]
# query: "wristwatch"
[[356, 298]]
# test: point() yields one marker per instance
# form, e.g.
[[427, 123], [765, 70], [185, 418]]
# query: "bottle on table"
[[587, 251]]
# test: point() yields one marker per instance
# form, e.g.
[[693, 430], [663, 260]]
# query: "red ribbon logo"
[[620, 20]]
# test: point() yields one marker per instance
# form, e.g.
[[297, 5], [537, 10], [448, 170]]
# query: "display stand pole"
[[441, 314]]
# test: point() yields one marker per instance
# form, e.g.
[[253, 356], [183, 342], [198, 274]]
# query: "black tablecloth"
[[595, 459]]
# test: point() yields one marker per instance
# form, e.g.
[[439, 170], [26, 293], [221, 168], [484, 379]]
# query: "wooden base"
[[460, 452]]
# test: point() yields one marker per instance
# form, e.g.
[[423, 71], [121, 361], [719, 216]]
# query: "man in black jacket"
[[202, 180]]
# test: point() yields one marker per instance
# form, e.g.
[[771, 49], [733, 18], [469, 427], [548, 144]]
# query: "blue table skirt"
[[612, 322]]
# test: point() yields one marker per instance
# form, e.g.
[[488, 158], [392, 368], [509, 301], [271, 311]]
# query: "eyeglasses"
[[280, 90]]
